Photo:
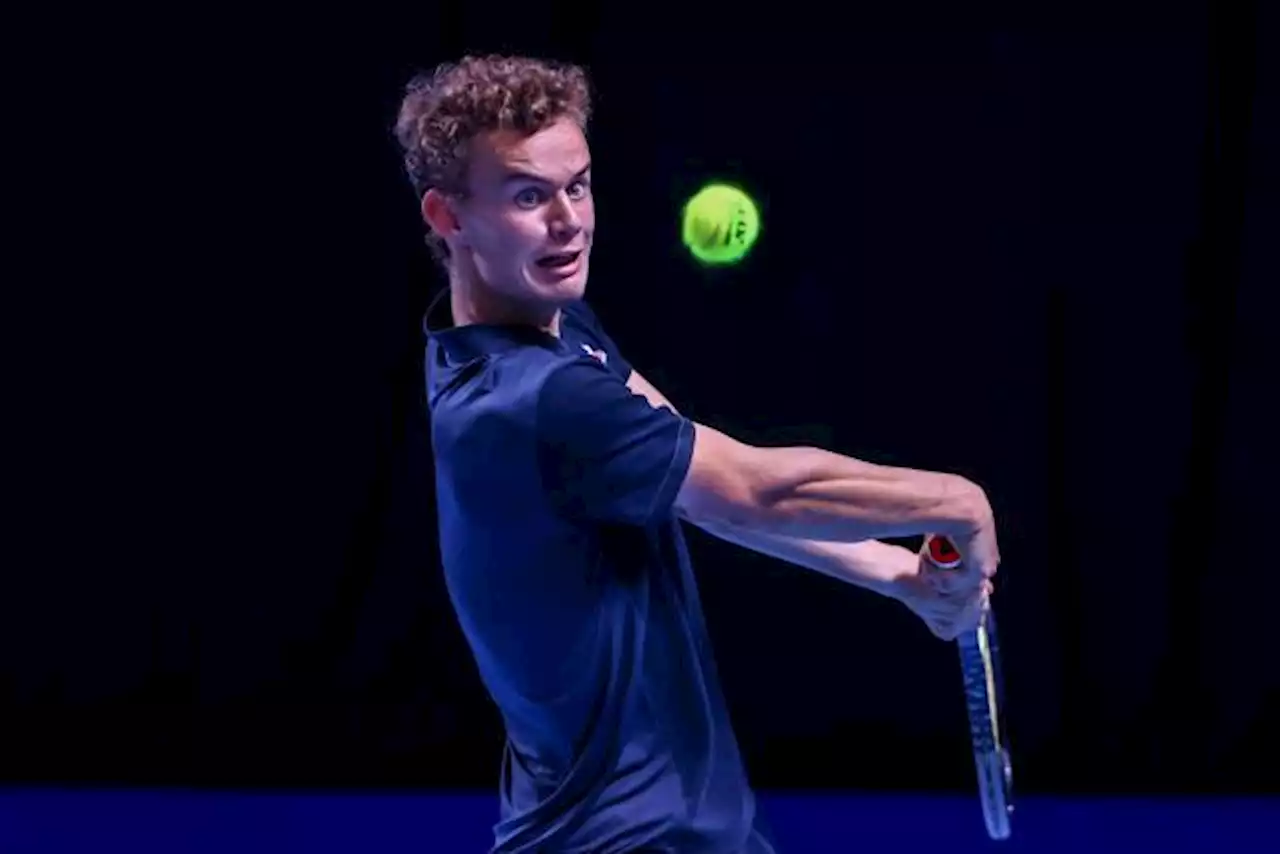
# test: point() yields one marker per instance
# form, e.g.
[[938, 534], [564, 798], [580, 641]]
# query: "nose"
[[565, 222]]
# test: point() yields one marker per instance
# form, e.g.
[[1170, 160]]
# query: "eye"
[[579, 189], [529, 197]]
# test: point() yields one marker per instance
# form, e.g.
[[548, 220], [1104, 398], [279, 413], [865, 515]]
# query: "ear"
[[438, 213]]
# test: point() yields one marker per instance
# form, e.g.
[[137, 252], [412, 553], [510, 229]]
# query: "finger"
[[946, 581], [949, 580], [943, 630], [952, 584], [965, 559], [981, 555]]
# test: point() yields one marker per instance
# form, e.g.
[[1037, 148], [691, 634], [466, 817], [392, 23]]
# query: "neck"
[[472, 301]]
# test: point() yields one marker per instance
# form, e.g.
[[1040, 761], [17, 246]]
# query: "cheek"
[[524, 234], [507, 240]]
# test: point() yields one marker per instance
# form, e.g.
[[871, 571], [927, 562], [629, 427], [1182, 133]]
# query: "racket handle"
[[942, 552]]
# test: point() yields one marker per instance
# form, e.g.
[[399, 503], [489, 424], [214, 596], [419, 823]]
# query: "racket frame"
[[984, 699]]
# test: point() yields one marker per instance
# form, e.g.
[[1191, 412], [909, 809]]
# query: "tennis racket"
[[983, 691]]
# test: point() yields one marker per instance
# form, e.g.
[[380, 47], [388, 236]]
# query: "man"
[[563, 477]]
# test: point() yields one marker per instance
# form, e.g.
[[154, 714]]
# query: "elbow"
[[728, 485], [756, 497], [737, 507], [972, 510]]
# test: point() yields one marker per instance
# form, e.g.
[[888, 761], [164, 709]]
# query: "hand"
[[979, 553], [941, 597]]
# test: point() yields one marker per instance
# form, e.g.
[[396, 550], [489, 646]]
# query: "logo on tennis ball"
[[720, 225]]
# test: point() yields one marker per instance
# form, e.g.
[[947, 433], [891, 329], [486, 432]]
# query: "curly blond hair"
[[444, 109]]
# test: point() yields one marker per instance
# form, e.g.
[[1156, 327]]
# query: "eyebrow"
[[517, 175]]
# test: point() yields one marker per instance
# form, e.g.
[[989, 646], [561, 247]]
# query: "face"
[[526, 225]]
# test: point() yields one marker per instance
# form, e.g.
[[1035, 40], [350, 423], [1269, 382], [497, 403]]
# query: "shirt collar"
[[461, 344]]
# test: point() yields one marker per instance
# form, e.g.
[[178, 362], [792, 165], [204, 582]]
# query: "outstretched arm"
[[813, 494], [890, 570], [881, 567]]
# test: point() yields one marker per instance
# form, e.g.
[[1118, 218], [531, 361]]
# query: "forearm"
[[813, 494], [871, 564]]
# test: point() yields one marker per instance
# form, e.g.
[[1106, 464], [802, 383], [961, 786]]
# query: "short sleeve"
[[588, 324], [605, 454]]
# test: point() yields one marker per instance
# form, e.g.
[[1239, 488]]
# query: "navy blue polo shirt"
[[571, 580]]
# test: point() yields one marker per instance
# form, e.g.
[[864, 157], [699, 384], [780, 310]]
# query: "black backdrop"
[[1031, 251]]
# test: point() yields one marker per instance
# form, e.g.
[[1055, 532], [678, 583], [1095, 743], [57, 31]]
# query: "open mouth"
[[558, 261]]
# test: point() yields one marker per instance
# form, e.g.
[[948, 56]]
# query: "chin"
[[575, 288], [558, 289]]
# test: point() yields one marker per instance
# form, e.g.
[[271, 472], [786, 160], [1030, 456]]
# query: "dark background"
[[1030, 250]]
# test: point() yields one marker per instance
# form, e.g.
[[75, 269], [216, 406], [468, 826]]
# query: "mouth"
[[560, 261]]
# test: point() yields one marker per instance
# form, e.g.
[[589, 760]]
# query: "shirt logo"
[[601, 355]]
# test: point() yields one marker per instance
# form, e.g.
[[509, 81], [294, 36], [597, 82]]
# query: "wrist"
[[968, 509]]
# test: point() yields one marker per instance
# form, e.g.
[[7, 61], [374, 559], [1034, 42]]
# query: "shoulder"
[[581, 311], [477, 403], [604, 452], [581, 321], [581, 324], [584, 397], [578, 386]]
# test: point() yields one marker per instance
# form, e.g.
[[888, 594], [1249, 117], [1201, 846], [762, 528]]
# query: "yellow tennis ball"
[[720, 224]]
